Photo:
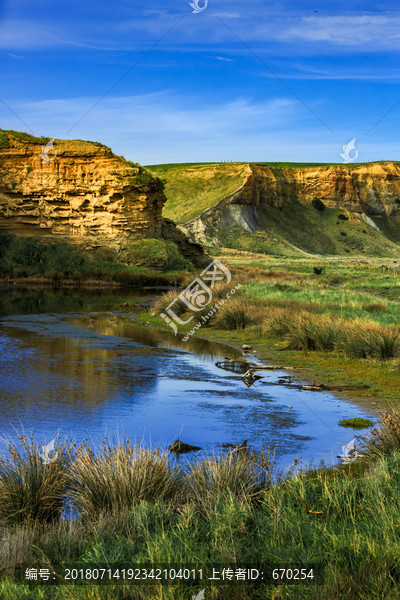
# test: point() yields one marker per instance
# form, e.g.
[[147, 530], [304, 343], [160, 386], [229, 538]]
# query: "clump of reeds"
[[370, 340], [357, 339], [179, 307], [235, 314], [118, 477], [304, 331], [385, 439], [32, 489], [240, 475]]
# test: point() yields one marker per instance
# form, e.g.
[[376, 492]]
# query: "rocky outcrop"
[[81, 192], [371, 189], [365, 190]]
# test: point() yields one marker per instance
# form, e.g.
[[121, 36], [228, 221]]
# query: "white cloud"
[[158, 127], [223, 58], [347, 30]]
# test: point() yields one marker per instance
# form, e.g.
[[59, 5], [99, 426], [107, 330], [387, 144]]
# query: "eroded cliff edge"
[[362, 192], [81, 192]]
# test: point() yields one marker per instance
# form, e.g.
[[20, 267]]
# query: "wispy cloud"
[[348, 30], [159, 127], [223, 58]]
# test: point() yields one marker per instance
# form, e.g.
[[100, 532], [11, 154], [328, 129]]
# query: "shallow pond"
[[96, 374]]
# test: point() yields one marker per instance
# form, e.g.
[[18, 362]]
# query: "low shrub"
[[154, 253], [318, 204]]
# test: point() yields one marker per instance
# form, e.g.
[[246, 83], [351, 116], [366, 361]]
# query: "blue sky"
[[243, 80]]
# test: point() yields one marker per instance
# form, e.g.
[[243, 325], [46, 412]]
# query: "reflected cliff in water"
[[93, 374]]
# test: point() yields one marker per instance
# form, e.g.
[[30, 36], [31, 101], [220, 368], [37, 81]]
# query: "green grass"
[[300, 165], [289, 230], [19, 135], [356, 423], [330, 330], [223, 512], [153, 253], [192, 188], [148, 262], [319, 232]]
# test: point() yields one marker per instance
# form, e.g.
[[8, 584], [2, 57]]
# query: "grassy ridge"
[[295, 228], [192, 188], [300, 165]]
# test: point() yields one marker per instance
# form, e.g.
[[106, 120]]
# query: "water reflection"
[[95, 375]]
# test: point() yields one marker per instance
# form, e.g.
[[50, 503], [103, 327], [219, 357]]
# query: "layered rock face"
[[81, 192], [365, 190], [84, 192], [372, 189]]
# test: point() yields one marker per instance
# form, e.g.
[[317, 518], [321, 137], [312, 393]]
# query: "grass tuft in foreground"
[[30, 489], [345, 520], [118, 478]]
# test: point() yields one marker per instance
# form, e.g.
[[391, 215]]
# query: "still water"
[[90, 374]]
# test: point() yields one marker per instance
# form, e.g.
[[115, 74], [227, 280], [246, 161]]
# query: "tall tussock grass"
[[30, 489], [233, 315], [385, 439], [357, 339], [162, 303], [114, 479], [304, 331], [232, 511], [371, 340], [117, 478], [238, 475]]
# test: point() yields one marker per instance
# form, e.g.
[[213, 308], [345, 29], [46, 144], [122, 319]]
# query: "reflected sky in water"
[[100, 374]]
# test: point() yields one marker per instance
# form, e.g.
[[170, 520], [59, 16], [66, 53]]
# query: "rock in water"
[[179, 447]]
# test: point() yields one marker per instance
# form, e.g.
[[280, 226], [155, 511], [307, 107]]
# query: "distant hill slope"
[[276, 207]]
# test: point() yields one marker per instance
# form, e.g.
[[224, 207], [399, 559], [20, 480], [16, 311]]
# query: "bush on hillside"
[[318, 204], [159, 254]]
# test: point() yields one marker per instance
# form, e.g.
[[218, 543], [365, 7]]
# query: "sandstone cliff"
[[81, 192], [362, 191]]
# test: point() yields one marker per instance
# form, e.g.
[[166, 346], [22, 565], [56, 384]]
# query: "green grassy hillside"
[[192, 188], [286, 231]]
